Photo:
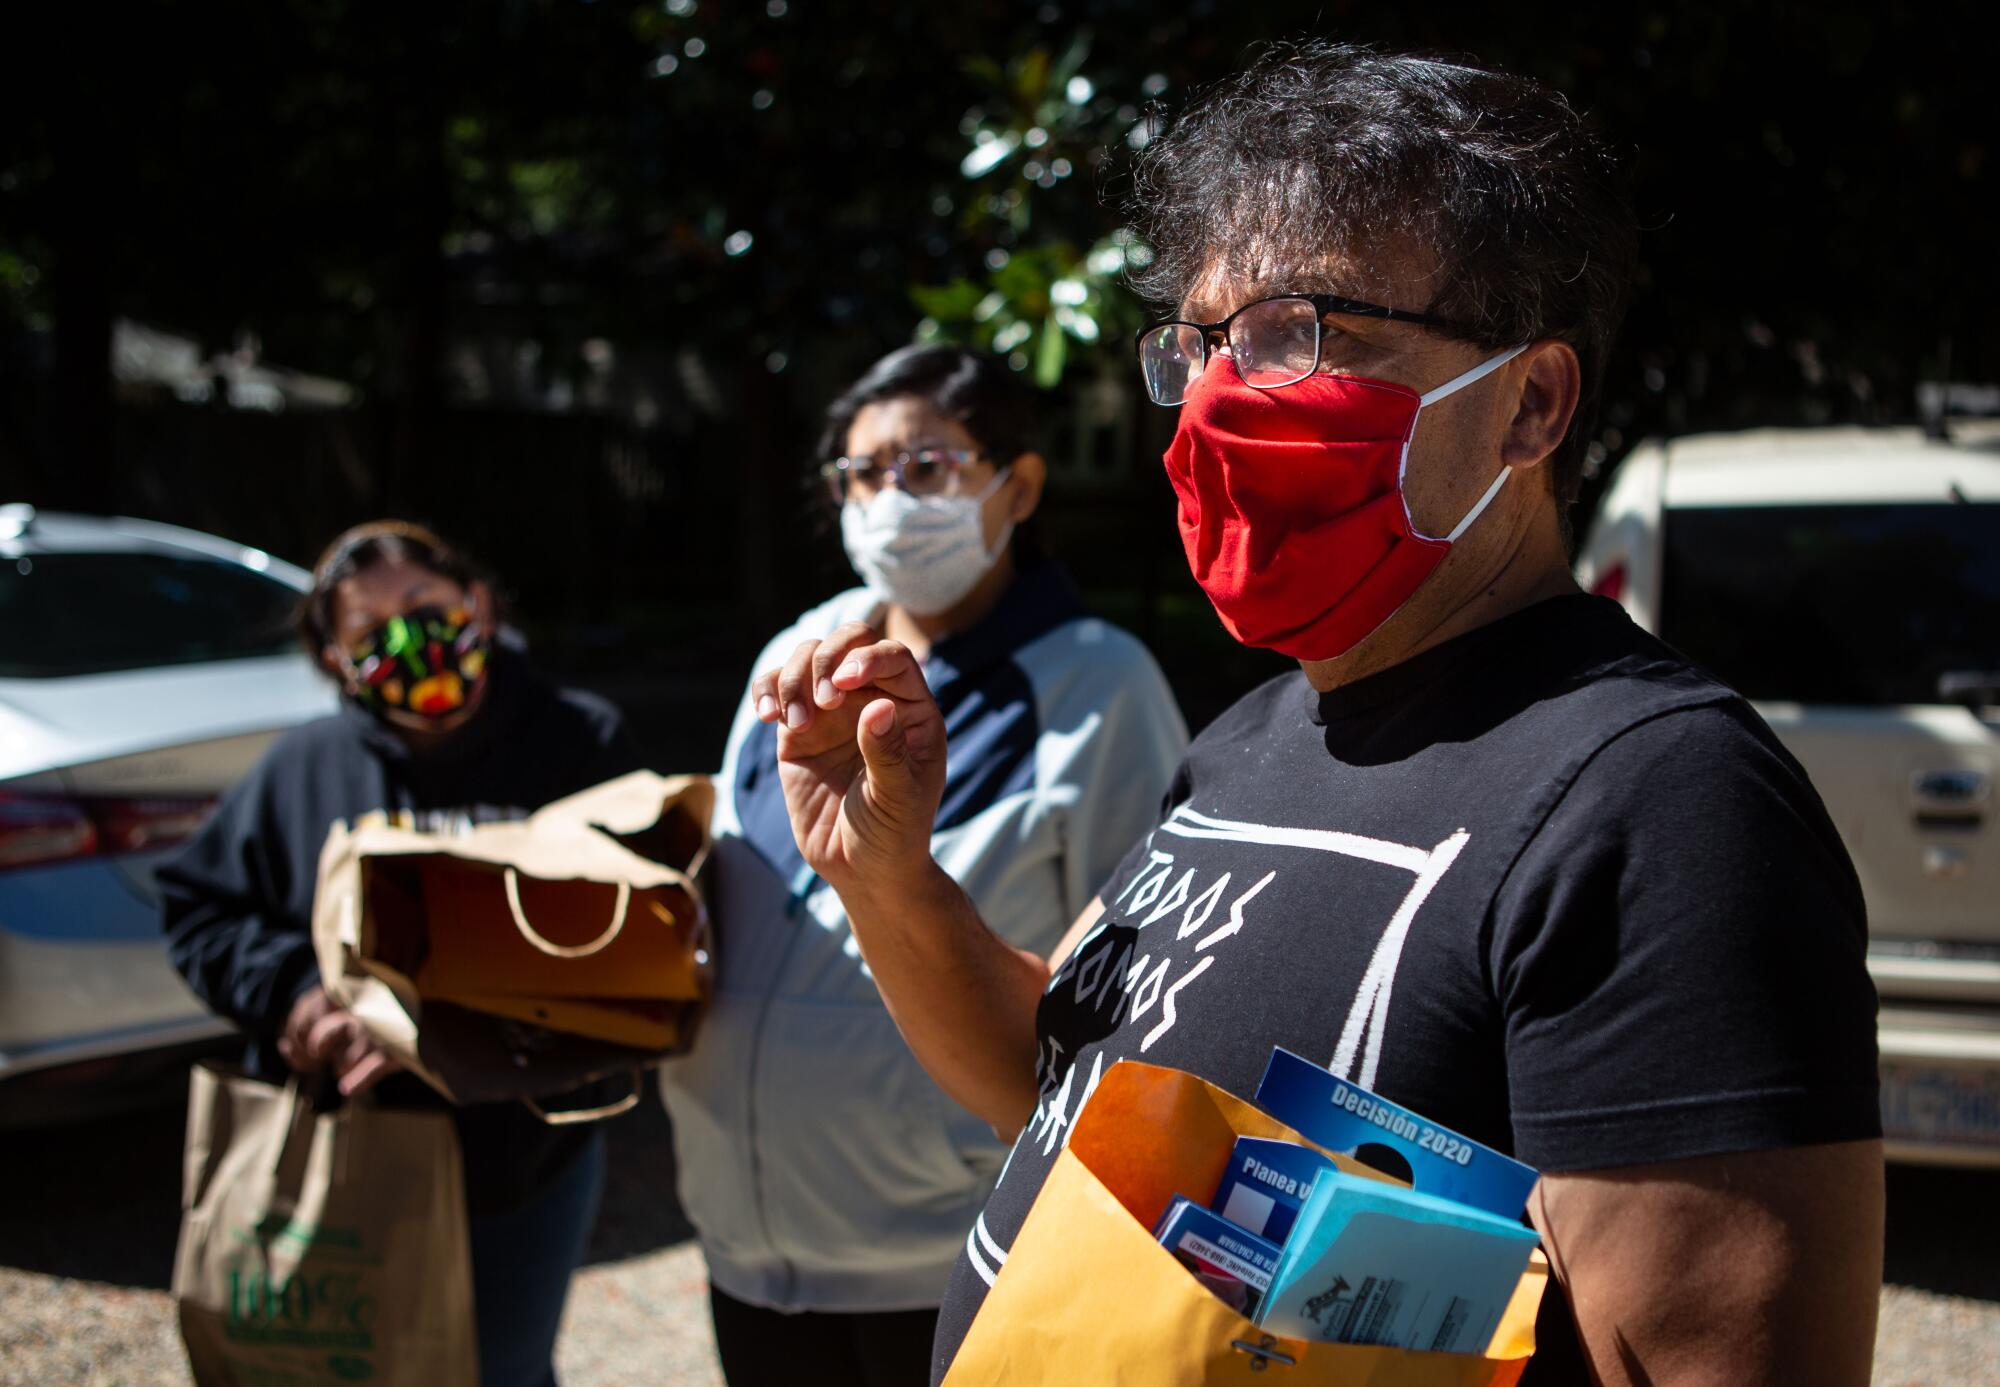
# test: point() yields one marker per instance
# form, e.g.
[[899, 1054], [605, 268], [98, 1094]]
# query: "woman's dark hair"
[[1319, 148], [978, 389], [362, 548]]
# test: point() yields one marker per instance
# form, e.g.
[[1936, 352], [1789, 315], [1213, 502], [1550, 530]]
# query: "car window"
[[66, 614], [1851, 604]]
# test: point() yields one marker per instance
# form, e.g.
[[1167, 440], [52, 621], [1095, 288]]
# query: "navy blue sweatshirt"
[[237, 900]]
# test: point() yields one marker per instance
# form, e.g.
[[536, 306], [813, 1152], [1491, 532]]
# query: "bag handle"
[[291, 1152], [565, 1117], [597, 945]]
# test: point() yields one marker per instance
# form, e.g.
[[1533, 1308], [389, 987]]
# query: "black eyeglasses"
[[1274, 342], [923, 472]]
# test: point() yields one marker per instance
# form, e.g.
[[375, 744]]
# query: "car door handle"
[[1952, 800]]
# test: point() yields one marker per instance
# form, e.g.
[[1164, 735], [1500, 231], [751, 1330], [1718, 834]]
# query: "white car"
[[143, 668], [1848, 581]]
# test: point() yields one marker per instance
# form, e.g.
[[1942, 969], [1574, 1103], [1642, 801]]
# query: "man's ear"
[[1030, 474], [1550, 388]]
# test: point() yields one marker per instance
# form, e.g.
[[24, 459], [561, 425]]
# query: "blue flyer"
[[1233, 1264], [1266, 1184], [1373, 1263], [1342, 1116]]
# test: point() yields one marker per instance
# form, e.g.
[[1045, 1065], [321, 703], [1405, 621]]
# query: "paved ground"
[[88, 1216]]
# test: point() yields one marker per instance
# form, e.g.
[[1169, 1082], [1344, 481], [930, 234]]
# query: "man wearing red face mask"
[[1493, 851]]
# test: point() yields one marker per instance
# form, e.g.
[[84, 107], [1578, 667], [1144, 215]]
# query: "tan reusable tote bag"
[[1086, 1296], [321, 1247]]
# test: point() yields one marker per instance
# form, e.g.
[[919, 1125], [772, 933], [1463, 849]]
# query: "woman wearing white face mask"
[[831, 1181]]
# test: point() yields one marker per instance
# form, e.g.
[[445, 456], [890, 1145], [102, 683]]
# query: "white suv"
[[1848, 581]]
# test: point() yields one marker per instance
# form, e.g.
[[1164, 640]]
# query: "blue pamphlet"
[[1373, 1263], [1341, 1116], [1266, 1184], [1219, 1252]]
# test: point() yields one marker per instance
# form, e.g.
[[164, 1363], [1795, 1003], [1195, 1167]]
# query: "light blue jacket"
[[822, 1167]]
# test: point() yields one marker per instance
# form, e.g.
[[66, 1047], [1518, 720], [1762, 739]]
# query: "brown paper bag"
[[520, 960], [570, 938], [321, 1248], [640, 1025]]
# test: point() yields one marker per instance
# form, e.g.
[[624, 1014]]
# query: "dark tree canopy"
[[617, 256]]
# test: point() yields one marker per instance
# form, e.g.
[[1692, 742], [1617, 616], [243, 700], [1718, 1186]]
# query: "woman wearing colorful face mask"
[[440, 725], [831, 1181]]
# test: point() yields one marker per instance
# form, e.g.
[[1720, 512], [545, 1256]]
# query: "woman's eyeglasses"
[[1274, 342], [922, 472]]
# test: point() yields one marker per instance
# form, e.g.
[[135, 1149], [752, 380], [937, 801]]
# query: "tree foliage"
[[699, 218], [792, 180]]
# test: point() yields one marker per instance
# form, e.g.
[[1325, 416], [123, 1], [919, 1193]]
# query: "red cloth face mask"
[[1292, 509]]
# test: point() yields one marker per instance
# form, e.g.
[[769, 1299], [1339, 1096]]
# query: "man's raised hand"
[[861, 755]]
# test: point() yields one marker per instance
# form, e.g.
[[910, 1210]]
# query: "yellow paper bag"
[[1087, 1296]]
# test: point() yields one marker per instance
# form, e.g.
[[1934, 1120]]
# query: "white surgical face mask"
[[923, 553]]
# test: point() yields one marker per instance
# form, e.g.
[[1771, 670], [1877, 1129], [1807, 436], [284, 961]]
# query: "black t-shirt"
[[1545, 883]]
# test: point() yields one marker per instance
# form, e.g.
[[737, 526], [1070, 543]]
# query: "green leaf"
[[1072, 60], [1032, 77], [947, 302], [1012, 335], [988, 155], [987, 71], [1078, 323], [1050, 354]]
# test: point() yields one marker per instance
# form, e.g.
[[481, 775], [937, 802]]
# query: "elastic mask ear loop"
[[1481, 504], [1000, 477], [1432, 396], [352, 673], [1006, 531], [1479, 372]]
